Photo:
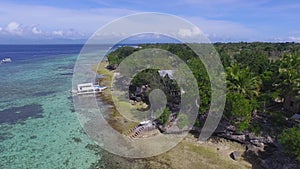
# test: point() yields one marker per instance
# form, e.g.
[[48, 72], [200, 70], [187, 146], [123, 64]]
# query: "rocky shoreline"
[[261, 151]]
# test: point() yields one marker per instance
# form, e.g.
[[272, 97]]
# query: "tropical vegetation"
[[257, 76]]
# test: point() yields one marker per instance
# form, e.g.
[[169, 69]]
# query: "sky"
[[69, 21]]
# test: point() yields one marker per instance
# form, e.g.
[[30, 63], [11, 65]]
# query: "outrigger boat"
[[6, 60], [88, 88]]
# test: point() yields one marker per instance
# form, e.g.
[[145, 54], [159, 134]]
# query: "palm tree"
[[289, 74], [243, 81], [242, 88]]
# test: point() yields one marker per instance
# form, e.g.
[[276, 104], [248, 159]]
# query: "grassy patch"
[[116, 120], [190, 154]]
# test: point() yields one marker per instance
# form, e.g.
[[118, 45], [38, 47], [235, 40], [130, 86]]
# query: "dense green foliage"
[[118, 55], [256, 75], [148, 77], [238, 109], [243, 87], [291, 140], [184, 53], [289, 71], [164, 117], [152, 79]]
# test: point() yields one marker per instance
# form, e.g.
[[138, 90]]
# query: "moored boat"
[[88, 88], [6, 60]]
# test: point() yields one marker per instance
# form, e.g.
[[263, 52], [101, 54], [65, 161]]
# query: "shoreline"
[[115, 119], [190, 152]]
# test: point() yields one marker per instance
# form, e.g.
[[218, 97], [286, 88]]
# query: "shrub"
[[290, 139], [164, 117]]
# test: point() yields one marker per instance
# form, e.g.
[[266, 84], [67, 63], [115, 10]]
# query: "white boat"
[[89, 88], [6, 60]]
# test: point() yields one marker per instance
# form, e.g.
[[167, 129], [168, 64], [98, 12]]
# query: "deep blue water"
[[37, 120], [28, 52], [34, 65]]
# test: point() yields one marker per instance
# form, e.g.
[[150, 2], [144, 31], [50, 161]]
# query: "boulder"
[[257, 143], [254, 149], [279, 161], [138, 99], [112, 67], [240, 138], [236, 155]]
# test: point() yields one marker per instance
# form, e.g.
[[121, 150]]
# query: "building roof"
[[163, 73], [296, 117]]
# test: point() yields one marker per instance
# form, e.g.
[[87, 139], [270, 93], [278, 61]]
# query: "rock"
[[237, 138], [279, 161], [240, 138], [112, 67], [257, 143], [200, 142], [251, 136], [254, 149], [231, 128], [269, 139], [132, 102], [219, 130], [138, 99], [270, 157], [236, 155]]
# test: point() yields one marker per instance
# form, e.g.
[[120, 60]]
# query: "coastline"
[[115, 119], [215, 153]]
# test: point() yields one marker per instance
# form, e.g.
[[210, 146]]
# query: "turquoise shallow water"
[[38, 126]]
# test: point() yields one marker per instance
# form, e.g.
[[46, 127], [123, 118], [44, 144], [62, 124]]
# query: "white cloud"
[[189, 32], [70, 33], [216, 30], [58, 33], [36, 30], [55, 22], [52, 18], [14, 28], [221, 30], [86, 21], [294, 38], [59, 21]]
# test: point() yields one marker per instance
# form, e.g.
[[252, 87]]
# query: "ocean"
[[38, 125]]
